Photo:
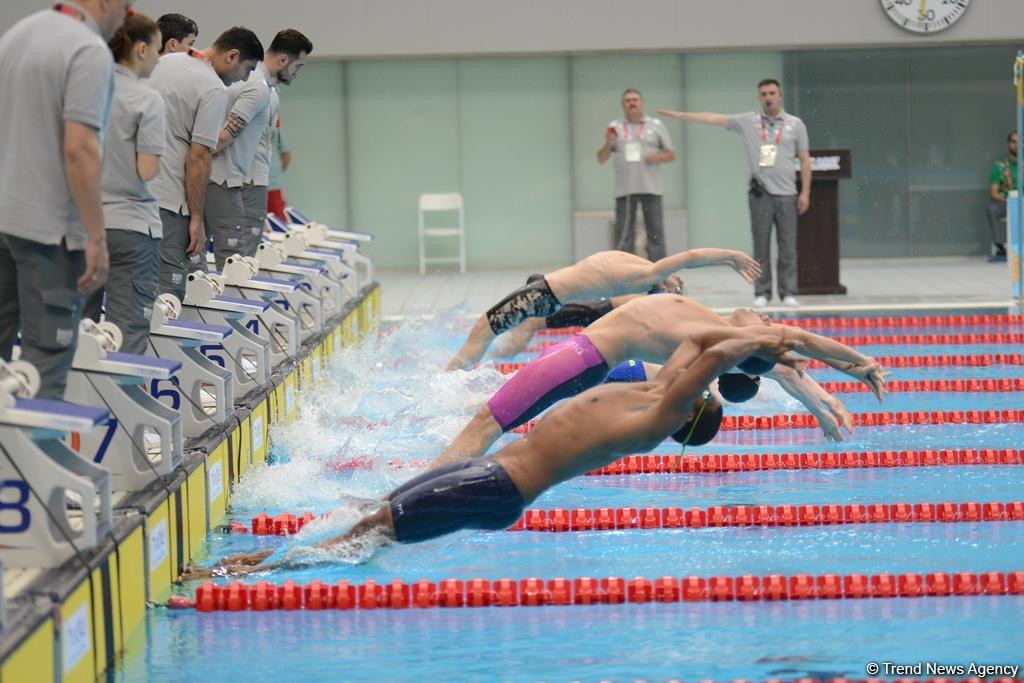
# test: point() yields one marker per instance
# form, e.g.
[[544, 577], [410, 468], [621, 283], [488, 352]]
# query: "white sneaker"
[[791, 302], [760, 302]]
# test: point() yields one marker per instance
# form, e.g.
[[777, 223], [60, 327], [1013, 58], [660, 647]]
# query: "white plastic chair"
[[451, 201]]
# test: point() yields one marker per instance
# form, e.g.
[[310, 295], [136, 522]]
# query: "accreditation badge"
[[768, 154], [632, 151]]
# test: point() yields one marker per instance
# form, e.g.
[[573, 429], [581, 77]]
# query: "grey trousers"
[[997, 222], [173, 261], [131, 287], [254, 201], [625, 223], [39, 296], [780, 211], [225, 216]]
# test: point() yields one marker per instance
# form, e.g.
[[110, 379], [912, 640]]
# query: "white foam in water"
[[384, 400]]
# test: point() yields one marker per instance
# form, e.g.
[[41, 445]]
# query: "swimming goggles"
[[705, 395]]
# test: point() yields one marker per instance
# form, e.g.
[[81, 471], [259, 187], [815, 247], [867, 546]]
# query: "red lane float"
[[603, 519], [894, 340], [732, 423], [755, 462], [537, 592], [739, 462], [868, 322], [600, 519], [957, 360]]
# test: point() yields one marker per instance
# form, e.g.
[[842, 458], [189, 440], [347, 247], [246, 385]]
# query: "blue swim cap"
[[735, 387], [755, 366]]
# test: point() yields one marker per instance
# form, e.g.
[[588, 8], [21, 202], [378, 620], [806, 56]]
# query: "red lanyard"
[[625, 131], [200, 56], [1006, 173], [778, 134], [69, 11]]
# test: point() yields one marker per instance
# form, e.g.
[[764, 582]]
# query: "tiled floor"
[[872, 284]]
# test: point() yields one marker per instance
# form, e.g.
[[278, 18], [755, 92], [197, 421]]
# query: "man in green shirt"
[[1001, 180]]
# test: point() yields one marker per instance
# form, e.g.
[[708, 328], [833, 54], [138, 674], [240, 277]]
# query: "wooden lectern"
[[817, 235]]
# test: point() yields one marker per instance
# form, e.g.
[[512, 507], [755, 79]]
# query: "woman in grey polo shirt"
[[131, 158]]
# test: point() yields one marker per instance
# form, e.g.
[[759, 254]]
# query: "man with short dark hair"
[[178, 31], [193, 85], [773, 139], [1002, 180], [285, 58], [640, 144], [57, 74]]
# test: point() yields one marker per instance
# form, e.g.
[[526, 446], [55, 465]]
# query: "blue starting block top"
[[44, 413], [328, 253], [253, 304], [296, 216], [303, 267], [186, 329], [280, 285], [138, 366]]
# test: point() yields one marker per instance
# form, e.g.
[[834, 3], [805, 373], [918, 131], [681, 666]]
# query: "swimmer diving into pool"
[[604, 274], [585, 433], [650, 329]]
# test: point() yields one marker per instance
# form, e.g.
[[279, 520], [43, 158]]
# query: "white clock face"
[[925, 16]]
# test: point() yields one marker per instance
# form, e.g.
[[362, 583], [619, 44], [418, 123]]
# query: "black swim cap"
[[705, 428], [755, 366], [735, 387], [534, 278]]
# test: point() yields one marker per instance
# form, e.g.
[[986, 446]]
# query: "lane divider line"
[[957, 360], [536, 592], [608, 518]]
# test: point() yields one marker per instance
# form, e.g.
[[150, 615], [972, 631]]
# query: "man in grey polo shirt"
[[774, 141], [285, 57], [193, 85], [236, 206], [57, 75], [640, 144]]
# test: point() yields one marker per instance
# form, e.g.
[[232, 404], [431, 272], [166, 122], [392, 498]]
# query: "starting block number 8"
[[12, 507]]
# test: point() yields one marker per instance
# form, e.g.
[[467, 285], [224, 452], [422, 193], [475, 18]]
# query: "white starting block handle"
[[294, 243], [202, 288], [165, 308], [270, 255], [95, 341], [238, 270], [18, 379]]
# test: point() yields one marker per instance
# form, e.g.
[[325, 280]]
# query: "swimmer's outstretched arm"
[[842, 358], [705, 117], [516, 339], [674, 408], [831, 413], [698, 258]]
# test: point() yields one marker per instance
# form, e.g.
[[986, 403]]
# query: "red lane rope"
[[867, 322], [536, 592], [752, 462], [604, 519], [803, 421], [891, 339], [959, 360], [939, 385]]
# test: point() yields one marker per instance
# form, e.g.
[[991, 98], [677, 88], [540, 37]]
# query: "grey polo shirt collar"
[[89, 21], [265, 72], [774, 119]]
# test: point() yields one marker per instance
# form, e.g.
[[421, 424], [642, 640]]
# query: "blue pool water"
[[394, 384]]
